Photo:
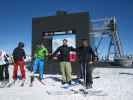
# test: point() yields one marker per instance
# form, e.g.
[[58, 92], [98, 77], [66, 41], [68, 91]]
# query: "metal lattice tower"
[[108, 27]]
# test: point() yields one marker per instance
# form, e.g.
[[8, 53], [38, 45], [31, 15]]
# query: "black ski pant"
[[86, 72], [4, 73]]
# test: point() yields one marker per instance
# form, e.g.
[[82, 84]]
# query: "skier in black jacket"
[[65, 64], [86, 55]]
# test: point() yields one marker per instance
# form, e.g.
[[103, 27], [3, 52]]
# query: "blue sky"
[[16, 18]]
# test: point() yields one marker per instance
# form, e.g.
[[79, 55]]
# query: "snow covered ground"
[[116, 83]]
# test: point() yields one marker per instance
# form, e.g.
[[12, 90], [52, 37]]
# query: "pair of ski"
[[13, 83], [67, 89], [10, 84], [3, 84], [86, 92], [32, 80], [81, 91]]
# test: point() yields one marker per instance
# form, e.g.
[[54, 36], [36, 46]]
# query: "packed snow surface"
[[116, 83]]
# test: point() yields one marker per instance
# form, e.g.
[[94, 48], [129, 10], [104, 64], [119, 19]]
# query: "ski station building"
[[51, 30]]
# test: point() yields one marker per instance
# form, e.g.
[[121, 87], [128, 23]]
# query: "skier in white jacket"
[[4, 73]]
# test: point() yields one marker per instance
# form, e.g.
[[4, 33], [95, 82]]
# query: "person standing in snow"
[[4, 73], [40, 54], [18, 57], [86, 55], [65, 64]]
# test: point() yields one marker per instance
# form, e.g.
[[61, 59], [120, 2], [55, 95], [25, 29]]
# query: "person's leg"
[[6, 72], [41, 68], [22, 69], [89, 80], [68, 72], [84, 72], [15, 70], [62, 69], [1, 73], [81, 70], [35, 66]]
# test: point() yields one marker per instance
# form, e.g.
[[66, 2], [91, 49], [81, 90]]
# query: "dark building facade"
[[78, 23]]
